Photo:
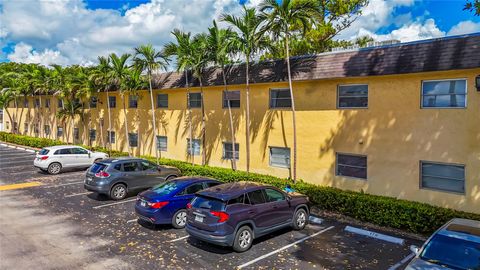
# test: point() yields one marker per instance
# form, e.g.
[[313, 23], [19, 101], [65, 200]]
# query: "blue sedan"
[[166, 203]]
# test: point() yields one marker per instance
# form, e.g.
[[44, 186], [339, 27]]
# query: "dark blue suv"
[[234, 214], [166, 203]]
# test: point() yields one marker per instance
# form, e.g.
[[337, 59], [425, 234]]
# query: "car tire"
[[300, 219], [179, 220], [118, 192], [54, 168], [243, 239]]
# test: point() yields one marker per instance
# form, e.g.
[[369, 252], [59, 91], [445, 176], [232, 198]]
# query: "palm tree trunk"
[[234, 162], [15, 115], [5, 109], [155, 141], [294, 123], [109, 125], [73, 124], [126, 125], [190, 135], [41, 117], [247, 131], [204, 154]]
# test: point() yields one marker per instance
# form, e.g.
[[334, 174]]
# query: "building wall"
[[394, 132]]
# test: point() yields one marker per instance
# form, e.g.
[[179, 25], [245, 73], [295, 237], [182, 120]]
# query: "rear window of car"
[[239, 199], [43, 152], [97, 167], [208, 203], [166, 188]]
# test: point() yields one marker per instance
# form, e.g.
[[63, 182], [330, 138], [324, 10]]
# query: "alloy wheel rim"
[[244, 239], [55, 168], [119, 192], [301, 219], [181, 218]]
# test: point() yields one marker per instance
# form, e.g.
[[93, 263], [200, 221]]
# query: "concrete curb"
[[384, 237]]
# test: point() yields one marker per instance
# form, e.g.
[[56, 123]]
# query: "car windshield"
[[43, 152], [207, 203], [97, 167], [452, 252], [166, 188]]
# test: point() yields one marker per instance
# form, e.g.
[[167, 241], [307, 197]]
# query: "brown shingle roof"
[[460, 52]]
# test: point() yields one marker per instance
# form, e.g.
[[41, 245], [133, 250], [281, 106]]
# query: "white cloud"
[[26, 54], [465, 27]]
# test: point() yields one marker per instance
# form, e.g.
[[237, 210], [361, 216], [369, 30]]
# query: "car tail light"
[[157, 205], [102, 174], [44, 157], [222, 216], [189, 206]]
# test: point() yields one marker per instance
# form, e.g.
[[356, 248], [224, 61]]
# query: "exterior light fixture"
[[477, 82]]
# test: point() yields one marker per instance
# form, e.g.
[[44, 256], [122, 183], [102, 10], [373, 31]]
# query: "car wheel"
[[118, 192], [179, 219], [243, 239], [300, 219], [54, 168]]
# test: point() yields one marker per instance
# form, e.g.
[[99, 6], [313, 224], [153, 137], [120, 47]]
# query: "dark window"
[[444, 94], [60, 103], [352, 166], [15, 126], [43, 151], [25, 127], [130, 166], [111, 136], [79, 151], [147, 165], [192, 189], [274, 195], [195, 147], [65, 151], [445, 177], [233, 97], [165, 188], [93, 102], [36, 129], [93, 134], [76, 134], [280, 157], [132, 101], [352, 96], [112, 102], [118, 167], [47, 103], [162, 143], [239, 199], [37, 103], [207, 203], [212, 184], [228, 150], [195, 100], [76, 102], [97, 167], [133, 139], [25, 103], [280, 98], [162, 101], [256, 197], [47, 129], [59, 131]]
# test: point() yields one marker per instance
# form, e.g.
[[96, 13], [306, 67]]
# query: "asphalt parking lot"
[[51, 222]]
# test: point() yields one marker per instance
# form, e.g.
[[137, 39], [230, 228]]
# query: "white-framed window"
[[162, 143], [111, 136], [162, 100], [195, 100], [352, 96], [232, 97], [76, 133], [112, 102], [47, 103], [93, 134], [228, 151], [46, 128], [132, 101], [444, 93], [442, 176], [351, 165], [280, 157], [280, 98], [37, 103], [59, 132], [195, 146], [133, 139]]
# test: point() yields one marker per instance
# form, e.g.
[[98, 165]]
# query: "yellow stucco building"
[[400, 120]]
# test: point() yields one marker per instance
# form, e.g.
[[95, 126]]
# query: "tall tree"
[[473, 5], [220, 43], [279, 18], [120, 72], [148, 59], [183, 49], [249, 41], [102, 78]]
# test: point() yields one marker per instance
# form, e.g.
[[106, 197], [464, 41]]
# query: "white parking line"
[[115, 203], [132, 220], [402, 262], [76, 194], [178, 239], [283, 248], [66, 184], [384, 237]]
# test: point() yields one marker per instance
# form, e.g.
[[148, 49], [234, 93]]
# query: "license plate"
[[198, 218], [143, 203]]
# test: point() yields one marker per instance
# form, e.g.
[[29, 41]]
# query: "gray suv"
[[116, 177]]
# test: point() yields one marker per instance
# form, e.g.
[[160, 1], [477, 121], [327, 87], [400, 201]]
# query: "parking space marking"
[[132, 220], [115, 203], [384, 237], [66, 184], [402, 262], [178, 239], [20, 185], [77, 194], [283, 248]]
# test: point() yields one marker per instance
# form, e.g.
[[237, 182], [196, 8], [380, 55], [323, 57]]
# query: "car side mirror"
[[415, 249]]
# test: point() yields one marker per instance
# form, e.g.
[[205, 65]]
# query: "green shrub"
[[384, 211]]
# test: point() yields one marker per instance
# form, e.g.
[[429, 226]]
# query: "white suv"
[[54, 159]]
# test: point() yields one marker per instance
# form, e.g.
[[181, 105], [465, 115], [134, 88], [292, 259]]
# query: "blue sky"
[[77, 31]]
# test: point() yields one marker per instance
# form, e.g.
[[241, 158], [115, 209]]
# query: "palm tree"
[[249, 40], [147, 59], [101, 76], [279, 19], [183, 50], [120, 72], [220, 45], [42, 87], [6, 96], [70, 110]]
